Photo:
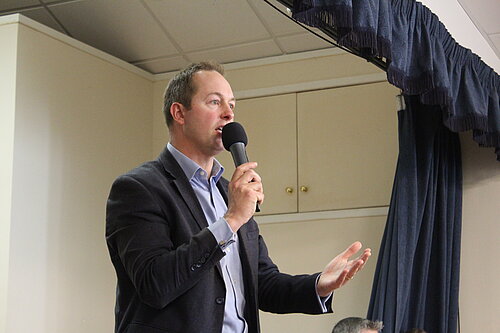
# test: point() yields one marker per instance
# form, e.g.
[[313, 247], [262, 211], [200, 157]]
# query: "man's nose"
[[228, 112]]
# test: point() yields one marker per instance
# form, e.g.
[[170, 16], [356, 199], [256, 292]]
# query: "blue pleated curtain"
[[417, 277], [447, 89]]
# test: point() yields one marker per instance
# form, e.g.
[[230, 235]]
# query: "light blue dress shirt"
[[214, 208]]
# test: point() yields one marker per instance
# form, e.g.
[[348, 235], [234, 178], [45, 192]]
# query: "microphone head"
[[232, 133]]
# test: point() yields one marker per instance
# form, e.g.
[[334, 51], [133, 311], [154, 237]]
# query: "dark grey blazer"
[[167, 261]]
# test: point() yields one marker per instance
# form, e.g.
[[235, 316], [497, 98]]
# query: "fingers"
[[356, 267], [358, 264], [250, 176], [255, 192], [245, 177], [244, 168], [366, 254], [344, 277], [351, 250]]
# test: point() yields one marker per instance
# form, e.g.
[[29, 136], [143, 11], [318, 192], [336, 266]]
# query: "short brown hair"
[[181, 88]]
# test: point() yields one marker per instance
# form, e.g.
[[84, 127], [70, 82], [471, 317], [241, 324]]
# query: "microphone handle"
[[240, 157], [239, 153]]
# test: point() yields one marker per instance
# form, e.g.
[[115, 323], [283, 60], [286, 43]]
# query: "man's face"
[[211, 108]]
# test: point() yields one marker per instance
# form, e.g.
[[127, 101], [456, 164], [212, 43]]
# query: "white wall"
[[479, 292], [79, 122], [8, 40], [160, 131]]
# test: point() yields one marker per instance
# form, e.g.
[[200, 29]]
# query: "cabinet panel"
[[347, 146], [270, 124]]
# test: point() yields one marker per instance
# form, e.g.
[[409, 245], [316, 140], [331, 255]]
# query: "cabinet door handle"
[[304, 189], [289, 190]]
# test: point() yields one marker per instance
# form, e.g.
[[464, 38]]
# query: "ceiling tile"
[[302, 42], [6, 5], [278, 23], [163, 65], [484, 13], [42, 16], [122, 28], [495, 39], [206, 24], [237, 53]]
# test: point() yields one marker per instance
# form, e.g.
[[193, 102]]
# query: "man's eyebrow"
[[232, 99]]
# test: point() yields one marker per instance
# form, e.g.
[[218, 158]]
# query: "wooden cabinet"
[[322, 150], [347, 146]]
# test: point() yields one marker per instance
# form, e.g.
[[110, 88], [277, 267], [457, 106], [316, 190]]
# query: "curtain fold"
[[417, 277], [423, 58], [447, 89]]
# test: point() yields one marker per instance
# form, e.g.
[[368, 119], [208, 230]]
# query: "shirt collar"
[[190, 167]]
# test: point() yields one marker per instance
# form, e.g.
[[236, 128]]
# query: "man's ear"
[[177, 111]]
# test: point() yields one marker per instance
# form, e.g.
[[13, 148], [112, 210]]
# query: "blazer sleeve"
[[143, 248]]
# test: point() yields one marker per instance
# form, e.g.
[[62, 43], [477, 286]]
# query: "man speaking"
[[187, 253]]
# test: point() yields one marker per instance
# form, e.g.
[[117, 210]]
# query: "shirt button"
[[219, 300], [202, 173]]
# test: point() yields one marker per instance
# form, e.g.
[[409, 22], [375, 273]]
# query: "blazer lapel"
[[180, 181]]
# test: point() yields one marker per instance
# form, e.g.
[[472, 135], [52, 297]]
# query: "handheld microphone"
[[235, 140]]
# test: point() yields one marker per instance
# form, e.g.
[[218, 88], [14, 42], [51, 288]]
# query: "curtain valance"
[[423, 59]]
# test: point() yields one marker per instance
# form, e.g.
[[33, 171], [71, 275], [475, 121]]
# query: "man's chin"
[[218, 151], [219, 147]]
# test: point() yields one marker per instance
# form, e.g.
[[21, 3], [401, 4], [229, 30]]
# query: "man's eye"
[[215, 102], [231, 106]]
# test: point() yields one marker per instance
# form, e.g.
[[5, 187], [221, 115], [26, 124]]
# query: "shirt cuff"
[[222, 233], [322, 300]]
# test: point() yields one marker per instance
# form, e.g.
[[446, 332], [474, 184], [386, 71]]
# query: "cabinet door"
[[270, 124], [347, 146]]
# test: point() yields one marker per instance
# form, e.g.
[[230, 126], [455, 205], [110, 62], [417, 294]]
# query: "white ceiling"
[[485, 15], [165, 35]]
